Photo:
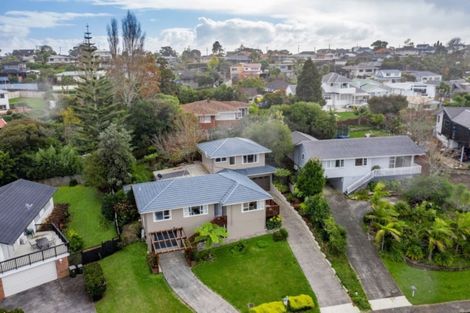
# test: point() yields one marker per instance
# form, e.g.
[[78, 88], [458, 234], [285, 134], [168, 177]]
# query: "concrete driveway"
[[375, 278], [63, 295], [448, 307]]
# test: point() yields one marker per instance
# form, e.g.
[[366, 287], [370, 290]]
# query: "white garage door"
[[29, 278]]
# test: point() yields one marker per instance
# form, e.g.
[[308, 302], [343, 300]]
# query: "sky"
[[295, 25]]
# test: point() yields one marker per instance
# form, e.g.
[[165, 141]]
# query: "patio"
[[195, 169]]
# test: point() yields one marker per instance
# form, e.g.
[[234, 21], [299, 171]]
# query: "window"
[[2, 96], [250, 158], [196, 210], [402, 161], [162, 216], [252, 206], [218, 160], [205, 119], [232, 160], [339, 163], [361, 162]]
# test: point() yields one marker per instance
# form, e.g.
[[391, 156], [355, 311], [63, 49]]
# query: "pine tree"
[[94, 105], [309, 84]]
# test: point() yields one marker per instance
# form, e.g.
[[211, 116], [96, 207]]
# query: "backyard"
[[39, 107], [263, 271], [85, 214], [132, 288], [431, 286]]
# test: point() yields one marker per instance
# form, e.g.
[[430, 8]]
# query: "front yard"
[[265, 271], [132, 288], [431, 286], [85, 214]]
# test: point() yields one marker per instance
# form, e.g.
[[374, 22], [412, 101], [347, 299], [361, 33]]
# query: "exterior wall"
[[243, 224], [455, 134], [4, 102], [214, 167], [62, 267], [351, 170]]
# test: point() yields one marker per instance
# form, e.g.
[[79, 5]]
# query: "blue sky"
[[263, 23]]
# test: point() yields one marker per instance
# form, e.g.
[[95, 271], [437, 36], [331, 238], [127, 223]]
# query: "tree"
[[462, 230], [7, 168], [273, 134], [379, 44], [392, 104], [418, 123], [460, 100], [311, 179], [309, 84], [408, 43], [210, 234], [439, 236], [252, 82], [150, 118], [168, 51], [217, 48], [167, 78], [392, 229], [43, 53], [110, 166], [26, 135], [433, 189], [113, 38], [454, 43]]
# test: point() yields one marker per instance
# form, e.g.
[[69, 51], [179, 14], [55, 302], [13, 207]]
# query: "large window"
[[250, 158], [361, 162], [162, 216], [339, 163], [252, 206], [196, 210], [401, 161]]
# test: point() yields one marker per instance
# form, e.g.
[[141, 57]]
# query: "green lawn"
[[85, 210], [343, 116], [361, 132], [432, 286], [267, 271], [132, 288], [39, 106]]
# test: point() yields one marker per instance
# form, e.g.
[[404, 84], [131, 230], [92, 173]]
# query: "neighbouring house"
[[351, 163], [426, 77], [412, 89], [372, 87], [4, 101], [392, 76], [277, 85], [453, 128], [362, 70], [425, 48], [459, 86], [249, 93], [31, 252], [245, 70], [238, 154], [212, 113], [339, 92], [16, 69], [61, 59], [287, 69], [76, 76]]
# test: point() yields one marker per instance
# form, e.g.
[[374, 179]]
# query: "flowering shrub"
[[274, 222]]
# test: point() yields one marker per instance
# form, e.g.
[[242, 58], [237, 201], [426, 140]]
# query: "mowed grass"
[[85, 214], [267, 271], [343, 116], [431, 286], [132, 288], [358, 133], [39, 106]]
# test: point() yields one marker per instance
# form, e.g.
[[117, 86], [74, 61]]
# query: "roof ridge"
[[230, 192], [165, 188], [223, 142]]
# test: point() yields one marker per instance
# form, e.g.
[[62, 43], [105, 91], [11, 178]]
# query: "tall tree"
[[167, 51], [113, 38], [379, 44], [167, 77], [132, 36], [439, 236], [217, 48], [309, 84], [311, 179]]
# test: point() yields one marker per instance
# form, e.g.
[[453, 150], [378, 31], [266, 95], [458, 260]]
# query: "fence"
[[96, 253]]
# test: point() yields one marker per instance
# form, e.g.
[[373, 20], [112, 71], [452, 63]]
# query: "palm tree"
[[440, 235], [210, 234], [462, 229], [392, 229], [383, 213]]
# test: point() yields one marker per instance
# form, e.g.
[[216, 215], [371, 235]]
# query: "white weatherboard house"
[[31, 253], [339, 92], [351, 163], [4, 102]]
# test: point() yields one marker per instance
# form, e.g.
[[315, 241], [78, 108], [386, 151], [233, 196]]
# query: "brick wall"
[[62, 267]]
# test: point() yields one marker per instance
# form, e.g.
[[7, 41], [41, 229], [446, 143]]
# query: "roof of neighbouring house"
[[333, 78], [298, 137], [211, 107], [255, 171], [277, 84], [226, 188], [228, 147], [20, 202], [459, 115], [333, 149], [419, 74]]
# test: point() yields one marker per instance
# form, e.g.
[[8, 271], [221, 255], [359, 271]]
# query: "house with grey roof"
[[453, 128], [238, 154], [426, 77], [172, 209], [31, 252], [339, 92], [388, 75], [351, 163]]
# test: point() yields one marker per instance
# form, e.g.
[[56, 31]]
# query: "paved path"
[[375, 278], [62, 295], [189, 288], [331, 295], [448, 307]]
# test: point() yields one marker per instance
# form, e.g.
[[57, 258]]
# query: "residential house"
[[425, 48], [426, 77], [31, 252], [237, 58], [412, 89], [17, 69], [286, 69], [351, 163], [213, 113], [25, 55], [245, 70], [392, 76], [291, 90], [4, 101], [305, 55], [372, 87], [277, 85], [238, 154], [459, 86], [453, 128], [339, 92], [362, 70], [61, 59], [406, 51]]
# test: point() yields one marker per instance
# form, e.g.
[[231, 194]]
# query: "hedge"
[[95, 283], [300, 303], [270, 307]]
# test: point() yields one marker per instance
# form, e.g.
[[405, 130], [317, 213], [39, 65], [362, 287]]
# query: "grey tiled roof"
[[20, 202], [332, 77], [459, 115], [298, 137], [231, 147], [361, 147], [226, 188], [254, 171]]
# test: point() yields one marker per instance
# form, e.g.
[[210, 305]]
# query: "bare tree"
[[132, 36], [113, 38]]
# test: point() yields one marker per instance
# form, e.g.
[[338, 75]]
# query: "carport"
[[169, 240]]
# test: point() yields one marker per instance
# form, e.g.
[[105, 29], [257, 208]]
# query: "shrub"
[[443, 259], [109, 200], [280, 235], [274, 222], [52, 162], [126, 212], [300, 303], [239, 248], [361, 194], [95, 283], [270, 307], [281, 187], [11, 311], [311, 179], [414, 252], [131, 233], [336, 236], [73, 182], [317, 209], [428, 188], [203, 255], [152, 260], [75, 241]]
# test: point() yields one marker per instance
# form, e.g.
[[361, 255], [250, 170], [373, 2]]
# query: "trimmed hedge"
[[280, 235], [300, 303], [95, 283], [270, 307]]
